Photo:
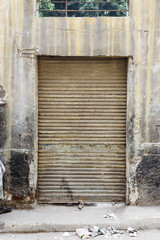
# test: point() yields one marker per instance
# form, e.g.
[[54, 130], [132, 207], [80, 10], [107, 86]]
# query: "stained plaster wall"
[[24, 37]]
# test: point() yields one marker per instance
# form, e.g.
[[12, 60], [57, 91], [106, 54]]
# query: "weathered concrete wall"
[[23, 36]]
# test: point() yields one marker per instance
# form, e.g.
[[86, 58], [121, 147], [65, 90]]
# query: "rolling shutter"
[[82, 129]]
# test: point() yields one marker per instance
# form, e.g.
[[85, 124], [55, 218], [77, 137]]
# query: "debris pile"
[[107, 232], [85, 233]]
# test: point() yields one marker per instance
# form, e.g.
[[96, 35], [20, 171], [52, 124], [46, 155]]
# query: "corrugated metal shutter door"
[[82, 129]]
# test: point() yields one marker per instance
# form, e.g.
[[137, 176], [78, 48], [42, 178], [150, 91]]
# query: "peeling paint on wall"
[[3, 95], [3, 116]]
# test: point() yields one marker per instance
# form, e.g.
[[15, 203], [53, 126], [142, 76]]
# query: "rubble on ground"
[[86, 233]]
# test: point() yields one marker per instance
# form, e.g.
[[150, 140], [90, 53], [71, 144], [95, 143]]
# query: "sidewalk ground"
[[53, 218], [143, 235]]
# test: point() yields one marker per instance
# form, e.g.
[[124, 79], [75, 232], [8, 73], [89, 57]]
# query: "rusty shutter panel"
[[82, 129]]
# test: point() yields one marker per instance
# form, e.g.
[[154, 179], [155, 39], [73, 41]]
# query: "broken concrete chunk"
[[111, 216], [132, 232], [81, 204]]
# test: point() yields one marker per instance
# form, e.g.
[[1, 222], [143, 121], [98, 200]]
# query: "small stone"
[[66, 234]]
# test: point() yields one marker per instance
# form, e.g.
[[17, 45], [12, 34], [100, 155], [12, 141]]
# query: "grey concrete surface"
[[143, 235], [51, 218]]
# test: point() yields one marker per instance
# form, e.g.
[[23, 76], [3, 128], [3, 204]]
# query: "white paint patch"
[[158, 41], [156, 68], [134, 195]]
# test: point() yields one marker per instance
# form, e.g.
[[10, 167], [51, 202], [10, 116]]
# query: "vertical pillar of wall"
[[22, 166], [5, 80], [18, 102], [145, 163]]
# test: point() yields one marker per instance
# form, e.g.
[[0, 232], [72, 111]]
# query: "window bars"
[[83, 8]]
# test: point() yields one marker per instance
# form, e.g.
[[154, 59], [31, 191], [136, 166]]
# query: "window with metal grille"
[[83, 8]]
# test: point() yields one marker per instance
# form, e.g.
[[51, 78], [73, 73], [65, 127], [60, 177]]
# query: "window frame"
[[66, 11]]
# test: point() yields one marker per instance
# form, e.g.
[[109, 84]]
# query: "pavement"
[[143, 235], [54, 218]]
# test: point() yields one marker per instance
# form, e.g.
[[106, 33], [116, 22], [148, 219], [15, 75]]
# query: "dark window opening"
[[83, 8]]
